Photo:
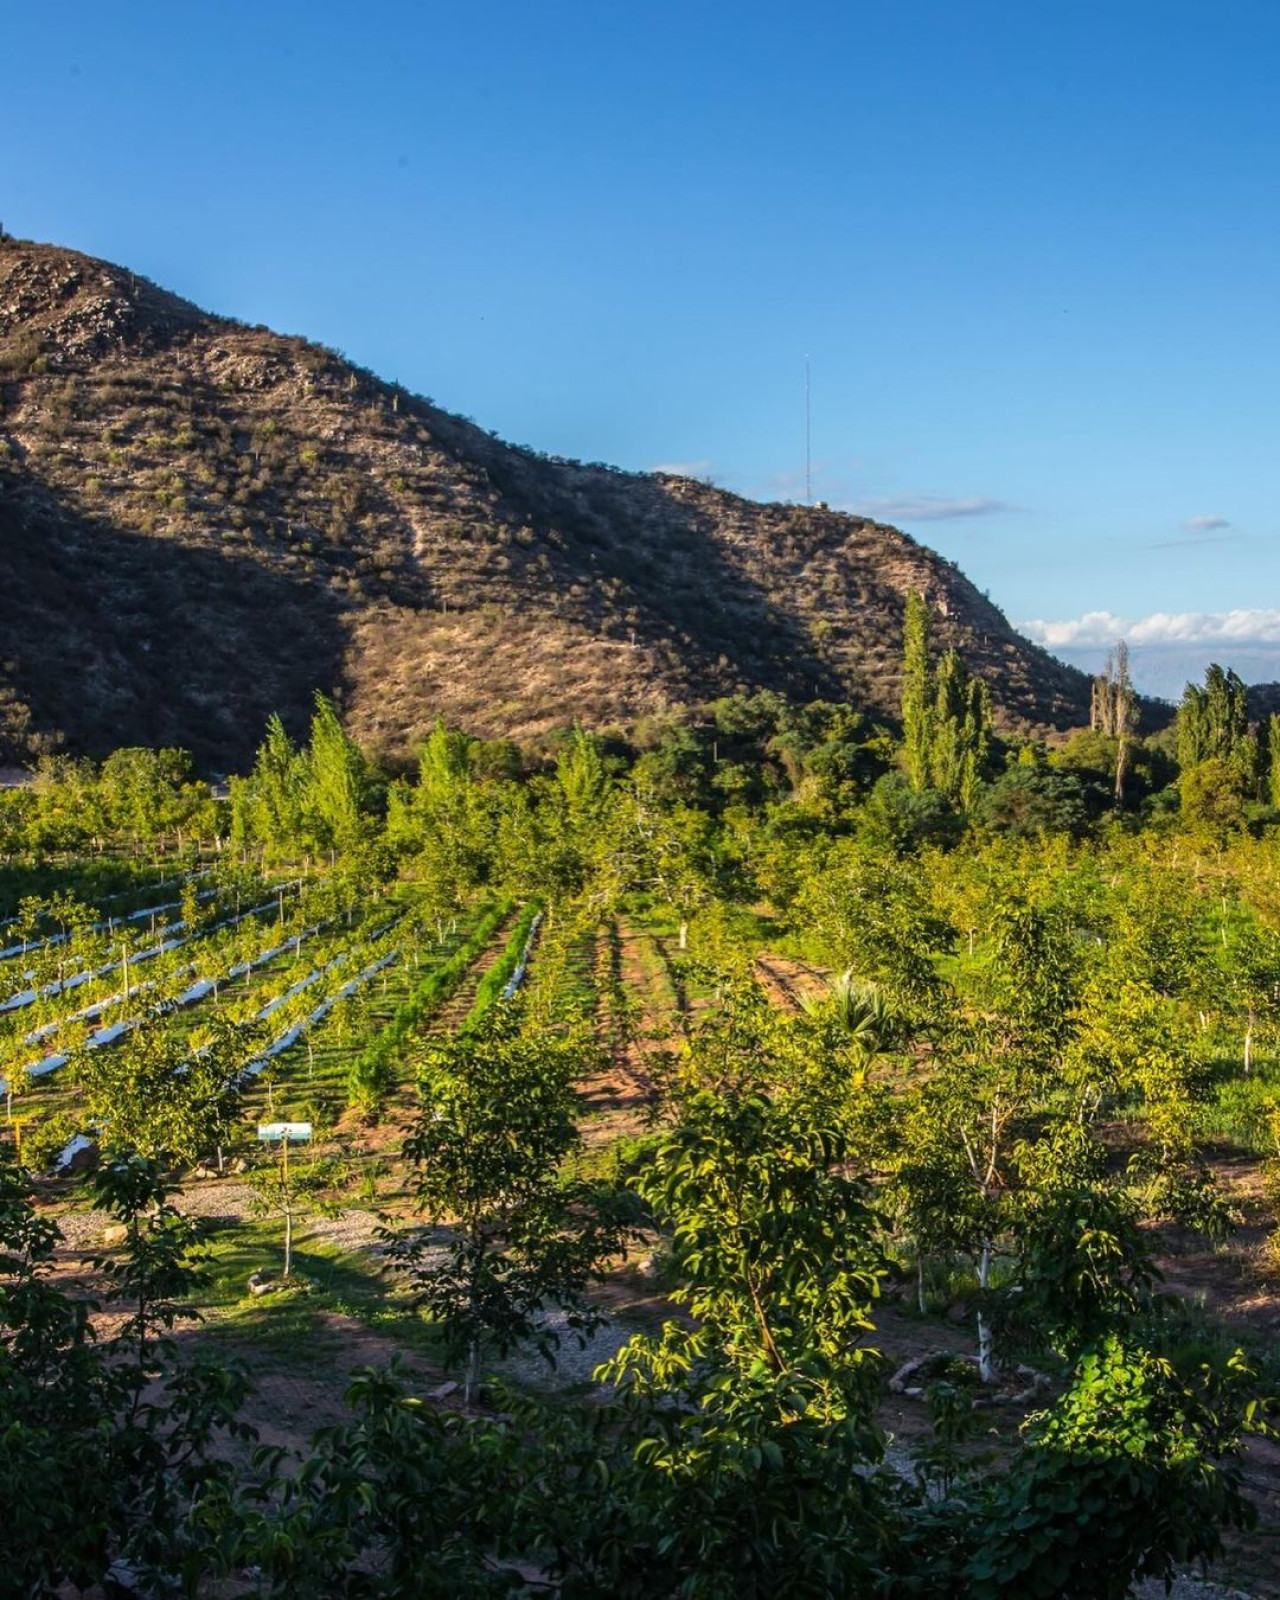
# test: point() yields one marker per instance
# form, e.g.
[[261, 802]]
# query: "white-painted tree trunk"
[[986, 1367]]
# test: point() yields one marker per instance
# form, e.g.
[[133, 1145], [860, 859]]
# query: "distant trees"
[[140, 798], [1213, 721]]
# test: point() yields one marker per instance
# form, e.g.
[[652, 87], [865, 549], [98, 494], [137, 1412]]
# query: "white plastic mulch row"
[[30, 996], [151, 888], [197, 991], [293, 1034], [518, 976], [189, 996], [82, 1141]]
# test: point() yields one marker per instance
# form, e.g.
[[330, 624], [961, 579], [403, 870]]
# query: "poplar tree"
[[1217, 753], [1114, 710], [1273, 758], [917, 708], [338, 779], [945, 715], [1213, 721]]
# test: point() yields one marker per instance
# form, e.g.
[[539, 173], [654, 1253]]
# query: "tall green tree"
[[1213, 725], [339, 781], [917, 698], [945, 715]]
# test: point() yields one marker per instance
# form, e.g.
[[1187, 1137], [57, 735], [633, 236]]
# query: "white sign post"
[[284, 1134]]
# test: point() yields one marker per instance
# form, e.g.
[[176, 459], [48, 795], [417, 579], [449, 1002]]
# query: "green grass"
[[291, 1324]]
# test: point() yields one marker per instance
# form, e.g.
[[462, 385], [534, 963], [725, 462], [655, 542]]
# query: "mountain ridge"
[[205, 521]]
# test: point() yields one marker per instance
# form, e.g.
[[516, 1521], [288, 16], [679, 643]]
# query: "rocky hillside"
[[201, 522]]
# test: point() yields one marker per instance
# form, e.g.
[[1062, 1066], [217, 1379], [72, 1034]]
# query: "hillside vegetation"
[[201, 522]]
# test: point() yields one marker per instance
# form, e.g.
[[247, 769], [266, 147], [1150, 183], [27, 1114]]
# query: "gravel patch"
[[352, 1228], [575, 1363], [1186, 1589], [82, 1230]]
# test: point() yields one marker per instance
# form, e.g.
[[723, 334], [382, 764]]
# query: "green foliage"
[[904, 819], [372, 1071], [750, 1481], [105, 1449], [1132, 1475], [945, 715], [1214, 795], [1031, 801], [917, 705], [497, 1127], [410, 1486], [1085, 1267], [1213, 721], [149, 1095], [339, 782], [775, 1250], [874, 918], [490, 989]]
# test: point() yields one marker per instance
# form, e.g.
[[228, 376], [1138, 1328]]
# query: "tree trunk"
[[684, 936], [920, 1282], [986, 1368], [472, 1387]]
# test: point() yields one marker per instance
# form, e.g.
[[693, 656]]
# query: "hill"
[[201, 522]]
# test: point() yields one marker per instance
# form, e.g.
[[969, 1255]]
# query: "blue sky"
[[1031, 250]]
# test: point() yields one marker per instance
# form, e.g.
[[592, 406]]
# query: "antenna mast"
[[808, 475]]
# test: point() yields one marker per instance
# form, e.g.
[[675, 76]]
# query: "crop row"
[[371, 1071]]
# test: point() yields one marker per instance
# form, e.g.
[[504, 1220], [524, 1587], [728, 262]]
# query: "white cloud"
[[685, 469], [1094, 627], [928, 507], [1097, 628], [1206, 524]]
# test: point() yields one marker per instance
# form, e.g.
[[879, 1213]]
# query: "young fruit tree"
[[489, 1153]]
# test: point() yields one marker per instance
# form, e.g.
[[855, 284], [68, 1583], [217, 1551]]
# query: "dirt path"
[[789, 982], [453, 1013], [639, 1034]]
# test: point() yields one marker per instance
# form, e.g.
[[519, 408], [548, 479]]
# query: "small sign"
[[294, 1132]]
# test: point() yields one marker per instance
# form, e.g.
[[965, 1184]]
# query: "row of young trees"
[[137, 800]]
